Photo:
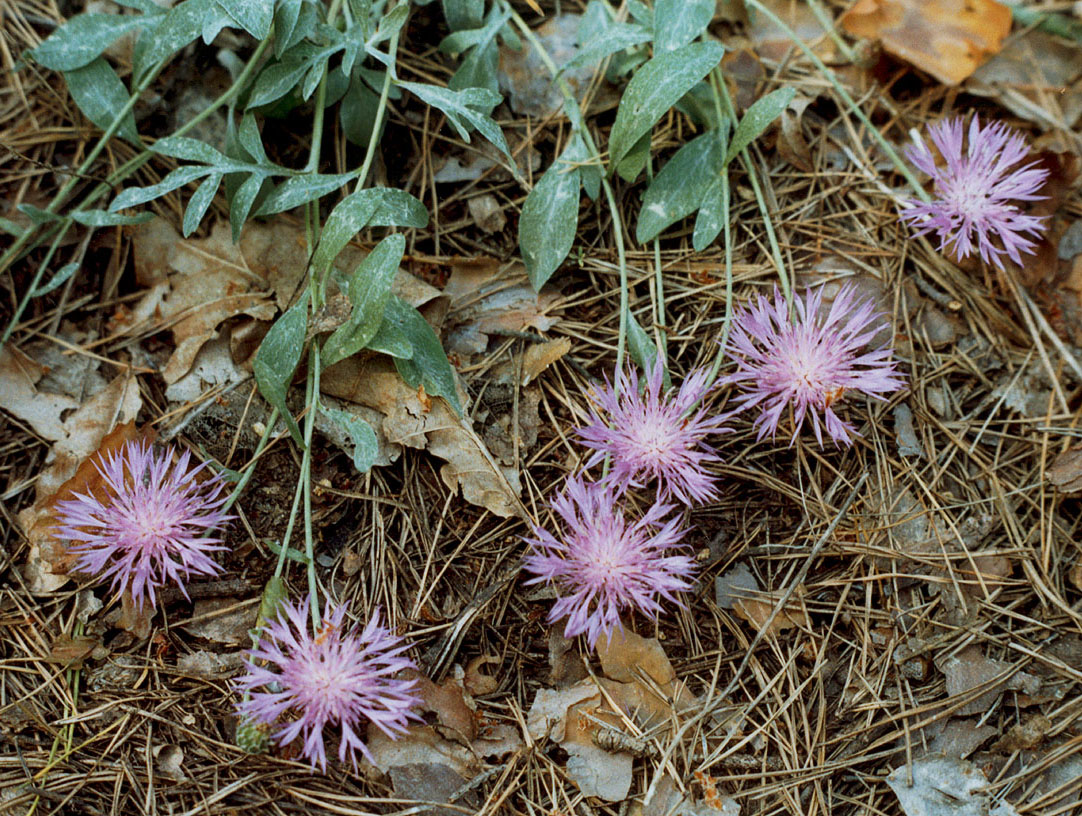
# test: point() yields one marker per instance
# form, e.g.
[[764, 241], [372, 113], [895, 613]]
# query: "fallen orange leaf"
[[946, 38]]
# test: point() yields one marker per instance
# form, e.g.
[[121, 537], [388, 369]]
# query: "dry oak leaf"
[[430, 424], [757, 611], [1066, 471], [947, 38], [42, 411], [100, 425]]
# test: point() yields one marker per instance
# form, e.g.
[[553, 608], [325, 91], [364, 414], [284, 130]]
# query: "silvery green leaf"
[[550, 217], [83, 38], [391, 340], [365, 444], [713, 211], [301, 189], [254, 16], [134, 196], [183, 147], [101, 218], [368, 292], [277, 358], [655, 88], [459, 106], [643, 349], [182, 24], [678, 189], [462, 14], [429, 365], [59, 278], [608, 40], [251, 141], [758, 118], [634, 161], [678, 22], [200, 202], [240, 207], [100, 95]]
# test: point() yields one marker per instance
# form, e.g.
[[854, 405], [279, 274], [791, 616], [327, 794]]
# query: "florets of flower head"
[[977, 192], [149, 526], [807, 362], [603, 564], [339, 677], [652, 435]]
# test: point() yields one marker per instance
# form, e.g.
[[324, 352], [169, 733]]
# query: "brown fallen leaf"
[[42, 411], [1037, 77], [72, 651], [757, 611], [475, 681], [791, 143], [1066, 471], [589, 719], [103, 423], [423, 765], [195, 285], [1024, 736], [374, 383], [625, 656], [539, 356], [772, 43], [487, 296], [970, 669], [453, 706], [946, 38]]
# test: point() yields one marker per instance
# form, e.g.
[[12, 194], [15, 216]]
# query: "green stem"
[[381, 108], [246, 476], [884, 145], [306, 478], [720, 90], [573, 110], [20, 245]]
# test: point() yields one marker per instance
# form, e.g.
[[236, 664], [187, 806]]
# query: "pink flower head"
[[603, 564], [339, 677], [808, 361], [650, 435], [151, 528], [976, 193]]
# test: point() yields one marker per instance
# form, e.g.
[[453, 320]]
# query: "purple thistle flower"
[[604, 564], [335, 678], [650, 435], [151, 529], [975, 193], [808, 361]]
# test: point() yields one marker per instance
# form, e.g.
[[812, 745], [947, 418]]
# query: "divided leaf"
[[459, 106]]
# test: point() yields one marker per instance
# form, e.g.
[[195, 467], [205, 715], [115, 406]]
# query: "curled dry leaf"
[[757, 611], [92, 429], [581, 718], [488, 297], [970, 669], [408, 422], [453, 707], [42, 411], [72, 651], [1066, 471], [946, 38], [539, 356], [476, 682], [773, 43]]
